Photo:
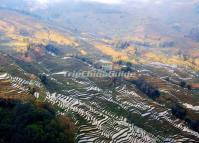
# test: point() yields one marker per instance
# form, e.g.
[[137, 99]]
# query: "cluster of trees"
[[143, 44], [27, 123], [29, 67], [127, 66], [89, 61], [126, 69], [31, 90], [85, 59], [51, 85], [184, 84], [181, 83], [43, 78], [124, 63], [181, 113], [146, 88], [122, 45], [51, 48]]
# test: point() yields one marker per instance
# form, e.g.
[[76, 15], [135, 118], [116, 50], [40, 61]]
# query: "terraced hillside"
[[24, 111], [158, 102], [119, 113]]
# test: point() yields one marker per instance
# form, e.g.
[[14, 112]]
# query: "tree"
[[128, 64], [146, 88], [189, 87], [179, 111], [183, 84], [27, 123], [31, 90], [43, 78]]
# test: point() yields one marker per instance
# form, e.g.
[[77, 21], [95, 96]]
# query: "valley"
[[158, 102]]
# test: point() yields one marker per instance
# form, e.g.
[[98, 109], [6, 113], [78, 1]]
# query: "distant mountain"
[[115, 20]]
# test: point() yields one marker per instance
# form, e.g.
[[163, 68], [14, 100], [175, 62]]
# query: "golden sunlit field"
[[24, 30]]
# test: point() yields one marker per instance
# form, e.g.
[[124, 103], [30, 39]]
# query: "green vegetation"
[[146, 88], [113, 108], [53, 49], [151, 126], [180, 112], [51, 85], [31, 67], [183, 84], [22, 123]]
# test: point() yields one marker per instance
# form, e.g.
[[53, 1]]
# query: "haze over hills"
[[46, 47], [142, 13]]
